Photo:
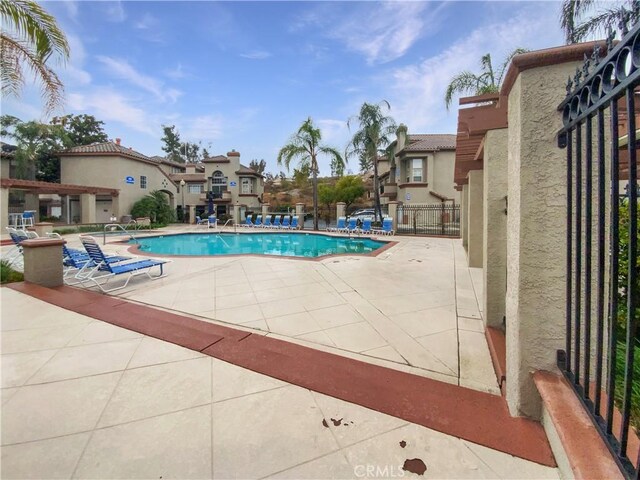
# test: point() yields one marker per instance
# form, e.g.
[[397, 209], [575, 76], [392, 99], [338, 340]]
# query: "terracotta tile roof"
[[216, 159], [431, 142], [187, 177], [244, 170], [106, 148]]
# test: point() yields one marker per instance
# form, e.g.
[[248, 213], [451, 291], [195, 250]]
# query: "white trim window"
[[247, 186], [414, 170], [143, 181], [195, 188]]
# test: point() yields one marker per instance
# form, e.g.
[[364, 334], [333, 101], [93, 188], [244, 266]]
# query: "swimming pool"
[[276, 244]]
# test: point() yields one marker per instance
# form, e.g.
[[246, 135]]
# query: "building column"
[[393, 213], [32, 202], [464, 215], [300, 210], [192, 213], [115, 207], [536, 230], [265, 210], [474, 219], [340, 208], [494, 257], [236, 213], [4, 210], [88, 208]]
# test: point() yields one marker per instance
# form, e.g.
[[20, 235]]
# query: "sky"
[[245, 75]]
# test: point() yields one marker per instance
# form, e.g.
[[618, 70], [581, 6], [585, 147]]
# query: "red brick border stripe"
[[475, 416]]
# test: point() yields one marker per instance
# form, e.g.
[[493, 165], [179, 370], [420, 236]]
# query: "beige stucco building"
[[421, 170]]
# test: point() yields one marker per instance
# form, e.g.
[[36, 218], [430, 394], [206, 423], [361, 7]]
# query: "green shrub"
[[8, 274], [156, 207]]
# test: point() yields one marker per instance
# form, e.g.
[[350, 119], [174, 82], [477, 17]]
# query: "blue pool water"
[[278, 244]]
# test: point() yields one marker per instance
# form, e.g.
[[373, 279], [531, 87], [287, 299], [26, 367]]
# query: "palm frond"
[[14, 53], [507, 61], [464, 82], [487, 66], [31, 22], [570, 12], [599, 23]]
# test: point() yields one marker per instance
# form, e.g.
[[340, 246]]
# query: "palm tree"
[[304, 146], [372, 139], [31, 37], [605, 16], [488, 81]]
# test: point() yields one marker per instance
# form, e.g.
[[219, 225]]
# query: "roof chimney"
[[117, 141]]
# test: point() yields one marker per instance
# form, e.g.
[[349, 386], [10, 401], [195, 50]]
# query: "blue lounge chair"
[[258, 221], [387, 227], [105, 270], [352, 226], [77, 262], [366, 226], [267, 222], [201, 222], [294, 223], [15, 254], [212, 221], [247, 222], [276, 222], [285, 222], [341, 225]]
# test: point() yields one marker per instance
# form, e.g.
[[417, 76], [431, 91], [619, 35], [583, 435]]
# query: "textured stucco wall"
[[475, 236], [495, 226], [464, 215], [229, 170], [111, 172], [535, 232]]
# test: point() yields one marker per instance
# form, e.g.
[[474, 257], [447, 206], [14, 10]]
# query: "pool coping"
[[135, 249]]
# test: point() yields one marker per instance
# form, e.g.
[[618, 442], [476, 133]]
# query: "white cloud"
[[417, 91], [122, 69], [381, 32], [72, 9], [115, 11], [203, 127], [256, 55], [146, 22], [74, 72], [109, 105], [176, 73]]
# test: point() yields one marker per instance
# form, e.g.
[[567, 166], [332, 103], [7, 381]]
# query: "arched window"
[[218, 183]]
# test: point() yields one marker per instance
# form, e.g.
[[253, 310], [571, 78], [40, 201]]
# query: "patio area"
[[85, 399], [414, 307]]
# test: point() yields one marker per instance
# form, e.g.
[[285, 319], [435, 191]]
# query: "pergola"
[[33, 188], [473, 124]]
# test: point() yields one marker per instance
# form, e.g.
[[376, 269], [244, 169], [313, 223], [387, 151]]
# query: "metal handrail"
[[108, 225], [135, 222], [235, 230]]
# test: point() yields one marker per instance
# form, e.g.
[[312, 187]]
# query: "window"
[[218, 184], [414, 170], [195, 188], [247, 186], [176, 170], [143, 181]]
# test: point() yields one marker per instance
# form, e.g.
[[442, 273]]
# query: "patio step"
[[475, 416]]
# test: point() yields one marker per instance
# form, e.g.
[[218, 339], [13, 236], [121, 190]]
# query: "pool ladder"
[[109, 225], [235, 227]]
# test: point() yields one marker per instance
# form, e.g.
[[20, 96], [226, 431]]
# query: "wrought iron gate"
[[602, 243], [439, 219]]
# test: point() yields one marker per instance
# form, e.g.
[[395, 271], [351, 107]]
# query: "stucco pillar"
[[64, 210], [236, 213], [300, 209], [393, 213], [87, 208], [494, 257], [535, 301], [192, 214], [474, 219], [32, 202], [464, 215], [43, 261], [115, 207], [4, 209], [265, 210], [340, 209]]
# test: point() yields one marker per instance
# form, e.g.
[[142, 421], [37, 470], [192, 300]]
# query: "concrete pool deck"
[[85, 399], [416, 306]]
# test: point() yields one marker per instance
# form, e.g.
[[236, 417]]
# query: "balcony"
[[389, 190]]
